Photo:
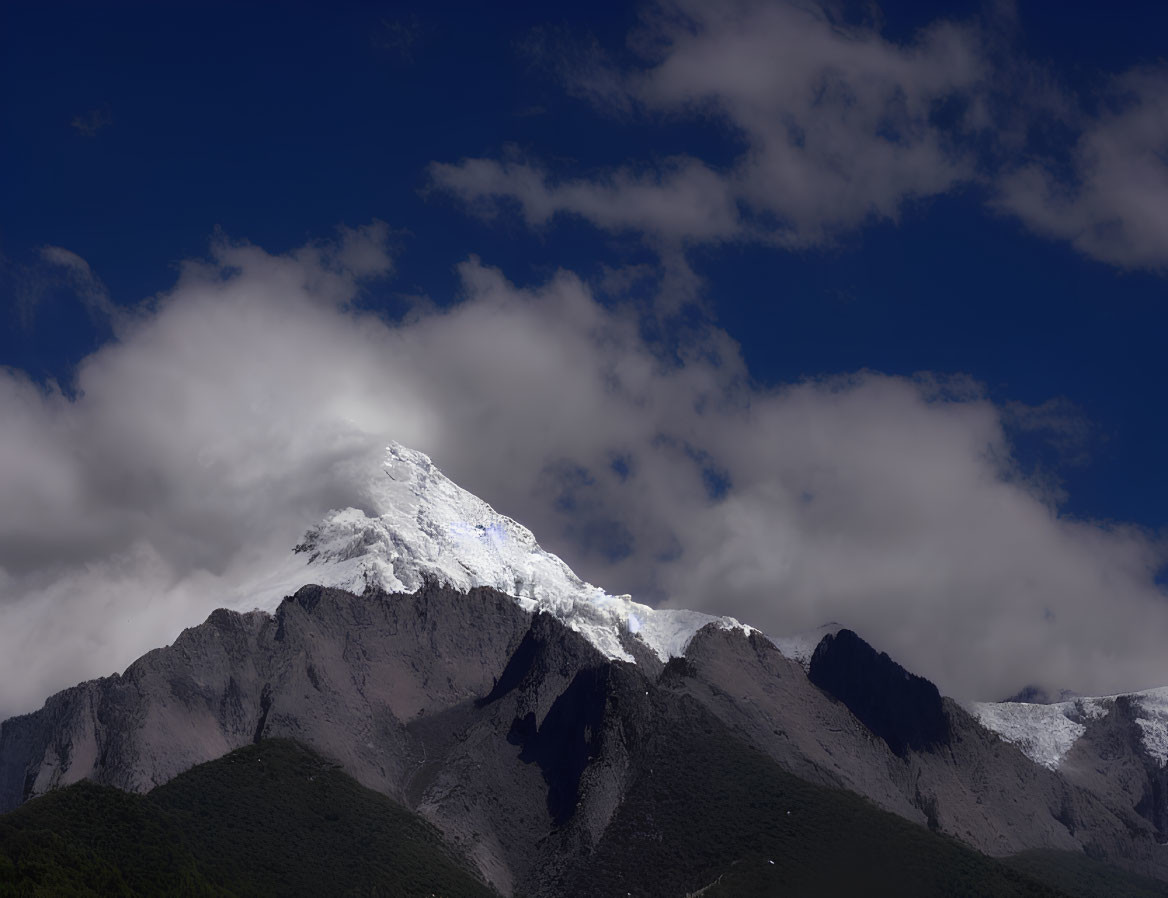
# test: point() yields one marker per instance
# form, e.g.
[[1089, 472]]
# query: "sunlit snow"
[[419, 524]]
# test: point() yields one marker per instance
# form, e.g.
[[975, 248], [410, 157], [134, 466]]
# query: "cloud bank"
[[838, 126], [230, 413]]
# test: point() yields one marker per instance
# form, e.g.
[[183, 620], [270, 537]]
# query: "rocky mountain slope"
[[446, 661]]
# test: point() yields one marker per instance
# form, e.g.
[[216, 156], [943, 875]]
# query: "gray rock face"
[[344, 674], [1111, 760], [517, 737]]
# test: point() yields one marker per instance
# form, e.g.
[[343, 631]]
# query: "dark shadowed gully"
[[902, 709]]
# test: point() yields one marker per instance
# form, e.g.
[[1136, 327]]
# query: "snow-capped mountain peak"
[[419, 524]]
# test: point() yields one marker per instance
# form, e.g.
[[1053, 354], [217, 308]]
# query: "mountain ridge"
[[507, 729]]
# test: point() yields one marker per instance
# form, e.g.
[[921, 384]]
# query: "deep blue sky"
[[277, 128]]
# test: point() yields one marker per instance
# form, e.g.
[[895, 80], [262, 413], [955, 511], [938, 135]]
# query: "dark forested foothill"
[[273, 819]]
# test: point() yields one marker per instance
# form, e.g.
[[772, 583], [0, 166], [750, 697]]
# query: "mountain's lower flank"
[[703, 814], [277, 819]]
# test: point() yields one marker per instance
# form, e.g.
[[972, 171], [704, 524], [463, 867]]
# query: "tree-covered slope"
[[704, 813], [270, 819], [1085, 877]]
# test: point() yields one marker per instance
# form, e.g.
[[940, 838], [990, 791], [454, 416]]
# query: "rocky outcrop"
[[940, 768], [901, 708]]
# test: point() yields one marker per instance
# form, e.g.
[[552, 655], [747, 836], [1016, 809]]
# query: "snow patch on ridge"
[[1045, 733], [419, 524]]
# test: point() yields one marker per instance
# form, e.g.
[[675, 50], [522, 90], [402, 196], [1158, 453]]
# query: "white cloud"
[[228, 414]]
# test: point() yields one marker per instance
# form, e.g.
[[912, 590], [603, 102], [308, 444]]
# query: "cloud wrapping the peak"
[[238, 408]]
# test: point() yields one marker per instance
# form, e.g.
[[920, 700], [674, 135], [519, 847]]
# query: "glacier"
[[1045, 733]]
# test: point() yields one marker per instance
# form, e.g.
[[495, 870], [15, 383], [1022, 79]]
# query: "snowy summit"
[[420, 525]]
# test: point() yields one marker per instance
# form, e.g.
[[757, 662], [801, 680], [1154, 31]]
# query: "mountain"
[[428, 646]]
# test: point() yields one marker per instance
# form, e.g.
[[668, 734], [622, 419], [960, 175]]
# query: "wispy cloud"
[[684, 200], [53, 270], [76, 273], [840, 127], [399, 37], [91, 123], [1107, 195]]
